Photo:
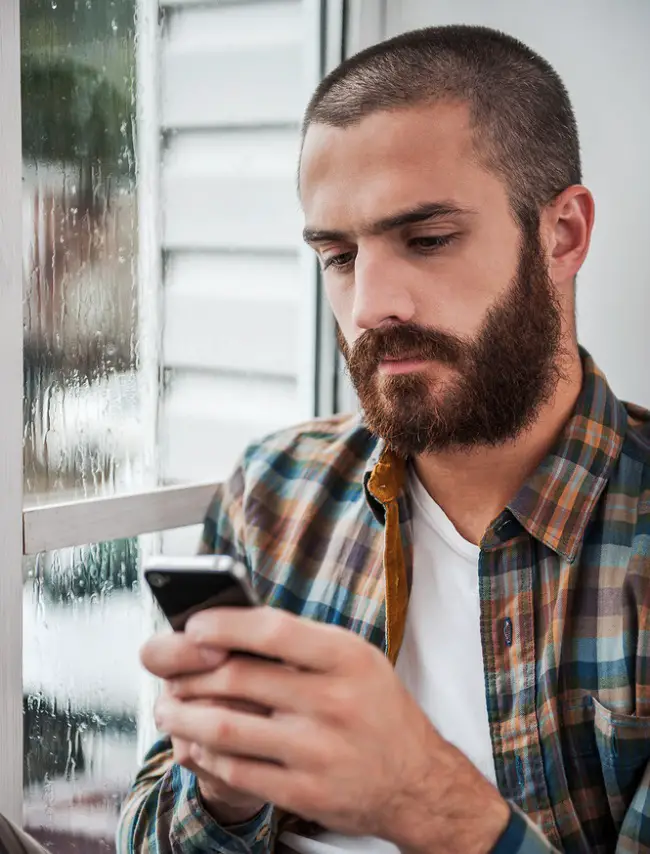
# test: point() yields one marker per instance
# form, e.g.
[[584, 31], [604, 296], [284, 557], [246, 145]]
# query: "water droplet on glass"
[[114, 25], [54, 4]]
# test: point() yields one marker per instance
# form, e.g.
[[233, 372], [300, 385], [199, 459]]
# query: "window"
[[85, 418], [81, 687], [157, 311], [81, 343]]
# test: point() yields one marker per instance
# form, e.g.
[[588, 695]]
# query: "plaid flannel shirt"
[[319, 515]]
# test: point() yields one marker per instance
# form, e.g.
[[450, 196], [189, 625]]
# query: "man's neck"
[[474, 486]]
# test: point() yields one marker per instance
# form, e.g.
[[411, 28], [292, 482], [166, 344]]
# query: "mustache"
[[403, 341]]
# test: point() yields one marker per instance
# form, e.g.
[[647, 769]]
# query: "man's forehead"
[[388, 154], [378, 201], [417, 128]]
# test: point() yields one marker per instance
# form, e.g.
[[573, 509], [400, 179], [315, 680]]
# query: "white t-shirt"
[[441, 659]]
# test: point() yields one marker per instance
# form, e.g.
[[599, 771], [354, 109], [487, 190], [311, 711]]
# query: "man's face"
[[447, 318]]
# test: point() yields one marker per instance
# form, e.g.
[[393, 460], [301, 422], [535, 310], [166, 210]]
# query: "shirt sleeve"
[[163, 814], [224, 524], [521, 836]]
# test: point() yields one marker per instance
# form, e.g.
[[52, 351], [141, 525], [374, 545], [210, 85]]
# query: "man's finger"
[[217, 788], [221, 730], [176, 654], [269, 782], [277, 634], [258, 683], [170, 688]]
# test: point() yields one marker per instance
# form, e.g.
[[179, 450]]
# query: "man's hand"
[[344, 744], [174, 656]]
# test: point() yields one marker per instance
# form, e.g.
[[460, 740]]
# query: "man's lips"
[[401, 365]]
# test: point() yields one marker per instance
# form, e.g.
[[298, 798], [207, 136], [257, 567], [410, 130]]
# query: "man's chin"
[[408, 396]]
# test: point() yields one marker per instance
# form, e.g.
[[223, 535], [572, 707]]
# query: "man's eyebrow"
[[424, 212]]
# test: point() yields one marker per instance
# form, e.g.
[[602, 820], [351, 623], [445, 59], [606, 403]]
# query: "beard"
[[499, 382]]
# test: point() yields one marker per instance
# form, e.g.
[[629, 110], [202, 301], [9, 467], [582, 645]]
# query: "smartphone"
[[187, 585]]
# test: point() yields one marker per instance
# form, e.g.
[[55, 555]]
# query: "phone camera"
[[156, 579]]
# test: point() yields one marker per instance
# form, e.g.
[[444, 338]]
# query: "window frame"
[[57, 525], [11, 383]]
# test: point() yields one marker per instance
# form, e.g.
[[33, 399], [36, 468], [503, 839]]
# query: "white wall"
[[600, 48]]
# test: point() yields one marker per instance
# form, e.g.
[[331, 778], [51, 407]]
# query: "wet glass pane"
[[81, 417], [82, 631]]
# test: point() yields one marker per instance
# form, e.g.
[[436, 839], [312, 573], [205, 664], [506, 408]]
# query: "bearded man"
[[454, 652]]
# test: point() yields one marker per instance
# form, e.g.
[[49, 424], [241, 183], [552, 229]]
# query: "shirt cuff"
[[521, 836], [195, 831]]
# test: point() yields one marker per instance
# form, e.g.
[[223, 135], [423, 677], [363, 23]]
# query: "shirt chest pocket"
[[622, 745]]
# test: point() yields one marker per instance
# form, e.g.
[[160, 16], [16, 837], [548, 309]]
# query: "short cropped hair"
[[523, 125]]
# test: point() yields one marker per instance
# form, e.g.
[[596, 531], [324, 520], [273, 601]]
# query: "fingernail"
[[212, 657], [196, 752]]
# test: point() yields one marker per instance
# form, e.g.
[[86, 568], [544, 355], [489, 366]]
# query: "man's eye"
[[339, 261], [431, 242]]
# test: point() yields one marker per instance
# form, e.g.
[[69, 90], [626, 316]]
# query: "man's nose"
[[381, 292]]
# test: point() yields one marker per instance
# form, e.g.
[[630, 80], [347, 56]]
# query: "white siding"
[[231, 190], [210, 417], [242, 64], [238, 307], [243, 312]]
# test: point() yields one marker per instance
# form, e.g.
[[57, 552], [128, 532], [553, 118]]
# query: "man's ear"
[[566, 226]]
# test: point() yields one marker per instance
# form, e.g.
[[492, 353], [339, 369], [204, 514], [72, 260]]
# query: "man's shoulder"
[[637, 437], [339, 442], [629, 489], [281, 480], [628, 515], [633, 478]]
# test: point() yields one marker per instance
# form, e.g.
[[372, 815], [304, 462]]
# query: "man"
[[484, 527]]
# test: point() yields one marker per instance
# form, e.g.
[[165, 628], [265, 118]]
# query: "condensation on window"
[[81, 682], [82, 419], [81, 424]]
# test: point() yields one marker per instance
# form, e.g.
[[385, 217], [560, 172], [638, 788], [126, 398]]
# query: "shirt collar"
[[384, 479], [557, 501]]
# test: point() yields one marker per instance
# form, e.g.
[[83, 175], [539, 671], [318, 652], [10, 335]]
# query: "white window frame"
[[341, 27], [11, 386], [95, 520]]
